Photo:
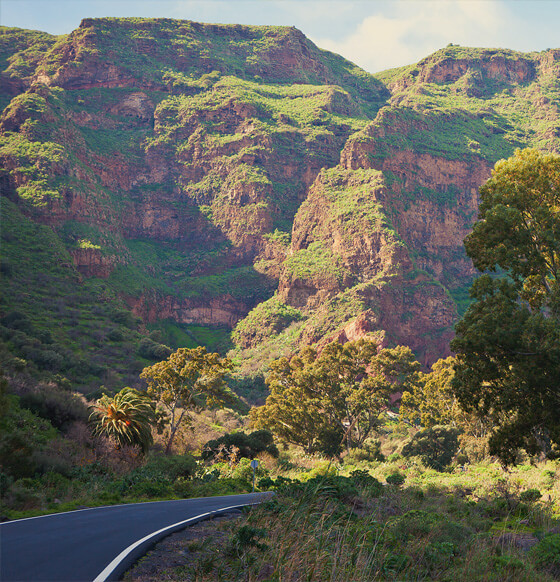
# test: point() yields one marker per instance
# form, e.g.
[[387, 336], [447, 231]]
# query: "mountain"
[[171, 182]]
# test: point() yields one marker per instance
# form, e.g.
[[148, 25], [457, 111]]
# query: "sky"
[[375, 34]]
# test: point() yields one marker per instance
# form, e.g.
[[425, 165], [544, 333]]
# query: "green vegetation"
[[435, 446], [432, 402], [185, 381], [150, 48], [305, 106], [478, 111], [338, 522], [239, 138], [325, 401], [265, 321], [20, 53], [35, 161], [176, 335], [314, 263], [127, 418], [508, 341], [93, 334], [235, 446]]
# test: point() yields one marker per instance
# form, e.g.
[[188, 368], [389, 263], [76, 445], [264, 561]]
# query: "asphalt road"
[[78, 546]]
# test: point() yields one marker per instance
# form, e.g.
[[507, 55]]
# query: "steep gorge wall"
[[201, 171], [378, 240]]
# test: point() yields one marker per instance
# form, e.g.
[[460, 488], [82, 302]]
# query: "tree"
[[432, 402], [188, 380], [336, 395], [508, 342], [127, 417], [290, 410], [435, 446]]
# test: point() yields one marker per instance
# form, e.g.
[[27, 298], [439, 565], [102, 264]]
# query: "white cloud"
[[415, 29]]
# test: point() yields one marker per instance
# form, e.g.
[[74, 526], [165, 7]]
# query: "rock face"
[[202, 171]]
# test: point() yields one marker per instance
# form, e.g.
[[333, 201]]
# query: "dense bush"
[[58, 407], [22, 436], [240, 445], [267, 319], [329, 441], [336, 486], [157, 477], [397, 479], [530, 495], [151, 350], [244, 472], [17, 320], [436, 446], [370, 451], [546, 554], [173, 466]]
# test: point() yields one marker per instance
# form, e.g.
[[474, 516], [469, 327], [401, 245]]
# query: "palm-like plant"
[[127, 417]]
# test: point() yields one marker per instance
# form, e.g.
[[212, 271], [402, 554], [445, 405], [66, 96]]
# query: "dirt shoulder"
[[182, 555]]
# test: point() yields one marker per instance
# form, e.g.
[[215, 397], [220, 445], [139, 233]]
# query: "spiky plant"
[[127, 417]]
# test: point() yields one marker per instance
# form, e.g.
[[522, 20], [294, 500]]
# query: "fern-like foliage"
[[127, 417]]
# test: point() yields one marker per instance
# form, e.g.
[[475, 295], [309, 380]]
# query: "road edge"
[[124, 561]]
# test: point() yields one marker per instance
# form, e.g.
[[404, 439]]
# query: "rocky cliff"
[[193, 173]]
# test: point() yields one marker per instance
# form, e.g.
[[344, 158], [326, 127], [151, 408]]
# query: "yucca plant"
[[127, 417]]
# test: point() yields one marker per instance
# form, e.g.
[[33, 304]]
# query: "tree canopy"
[[187, 380], [432, 402], [508, 342], [321, 400]]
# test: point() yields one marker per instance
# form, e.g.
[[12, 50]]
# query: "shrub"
[[240, 445], [24, 495], [396, 479], [368, 483], [23, 435], [246, 537], [56, 483], [244, 471], [151, 350], [58, 407], [329, 441], [5, 483], [417, 524], [546, 554], [371, 452], [183, 487], [474, 448], [530, 495], [435, 446], [336, 486], [267, 319], [321, 469], [115, 335], [17, 320], [172, 466], [149, 488], [265, 483]]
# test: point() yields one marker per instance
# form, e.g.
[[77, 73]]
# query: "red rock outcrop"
[[223, 311]]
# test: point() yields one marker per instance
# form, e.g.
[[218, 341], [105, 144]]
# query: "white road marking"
[[102, 577]]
